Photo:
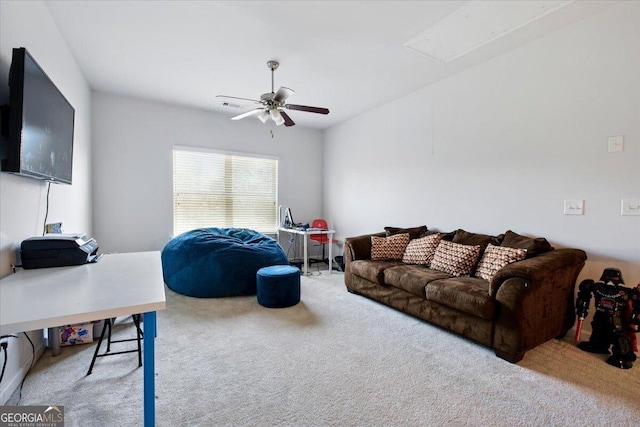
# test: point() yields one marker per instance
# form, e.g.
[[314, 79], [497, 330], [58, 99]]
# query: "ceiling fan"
[[272, 104]]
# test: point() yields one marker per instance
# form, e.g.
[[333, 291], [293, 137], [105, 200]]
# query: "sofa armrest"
[[538, 268], [359, 247], [355, 248], [535, 300]]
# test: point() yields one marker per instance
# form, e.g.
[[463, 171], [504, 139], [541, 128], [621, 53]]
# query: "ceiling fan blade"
[[287, 120], [283, 93], [247, 114], [308, 109], [235, 99]]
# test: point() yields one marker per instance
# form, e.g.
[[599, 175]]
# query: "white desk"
[[117, 285], [306, 234]]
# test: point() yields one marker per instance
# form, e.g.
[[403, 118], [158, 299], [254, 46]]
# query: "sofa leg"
[[512, 358]]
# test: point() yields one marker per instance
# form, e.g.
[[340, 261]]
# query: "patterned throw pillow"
[[421, 251], [455, 258], [389, 248], [496, 257]]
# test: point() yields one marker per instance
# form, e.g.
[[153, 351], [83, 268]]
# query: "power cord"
[[4, 364], [46, 214], [33, 362], [289, 250], [4, 345], [292, 244]]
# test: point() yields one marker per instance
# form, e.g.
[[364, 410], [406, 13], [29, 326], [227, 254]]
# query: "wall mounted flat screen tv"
[[40, 124]]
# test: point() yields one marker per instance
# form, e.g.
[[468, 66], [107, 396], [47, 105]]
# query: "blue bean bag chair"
[[218, 262]]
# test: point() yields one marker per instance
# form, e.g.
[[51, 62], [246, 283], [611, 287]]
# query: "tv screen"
[[40, 131]]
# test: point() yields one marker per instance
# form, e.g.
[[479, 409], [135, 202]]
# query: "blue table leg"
[[149, 369]]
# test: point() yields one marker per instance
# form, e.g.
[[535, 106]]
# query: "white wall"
[[23, 200], [501, 145], [497, 147], [133, 181]]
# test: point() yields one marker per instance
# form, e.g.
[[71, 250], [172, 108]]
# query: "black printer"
[[57, 250]]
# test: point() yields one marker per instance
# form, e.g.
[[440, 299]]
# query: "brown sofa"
[[524, 304]]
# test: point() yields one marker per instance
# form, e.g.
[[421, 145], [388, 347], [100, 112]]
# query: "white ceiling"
[[348, 56]]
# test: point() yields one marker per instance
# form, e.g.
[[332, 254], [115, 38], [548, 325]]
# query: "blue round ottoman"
[[278, 286], [218, 262]]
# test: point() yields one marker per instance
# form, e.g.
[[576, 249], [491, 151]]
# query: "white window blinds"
[[215, 189]]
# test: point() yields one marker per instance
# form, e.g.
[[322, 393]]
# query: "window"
[[216, 189]]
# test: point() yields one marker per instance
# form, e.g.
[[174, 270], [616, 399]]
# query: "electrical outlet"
[[6, 338], [574, 207]]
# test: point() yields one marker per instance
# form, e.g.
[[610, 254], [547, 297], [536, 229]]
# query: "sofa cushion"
[[414, 232], [389, 248], [533, 245], [496, 257], [467, 294], [373, 271], [467, 238], [455, 258], [421, 250], [448, 235], [412, 278]]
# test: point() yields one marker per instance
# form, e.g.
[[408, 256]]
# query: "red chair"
[[322, 239]]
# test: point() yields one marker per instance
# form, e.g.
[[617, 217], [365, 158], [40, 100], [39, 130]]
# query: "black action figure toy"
[[615, 320]]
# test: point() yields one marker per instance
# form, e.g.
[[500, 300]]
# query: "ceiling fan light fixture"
[[264, 116], [272, 104], [276, 116]]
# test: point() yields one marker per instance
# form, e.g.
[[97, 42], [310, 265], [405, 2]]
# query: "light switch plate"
[[630, 207], [616, 143], [574, 207]]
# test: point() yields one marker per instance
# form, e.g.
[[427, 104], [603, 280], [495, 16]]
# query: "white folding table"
[[117, 285], [305, 236]]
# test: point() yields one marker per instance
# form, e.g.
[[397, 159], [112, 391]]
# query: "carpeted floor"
[[335, 359]]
